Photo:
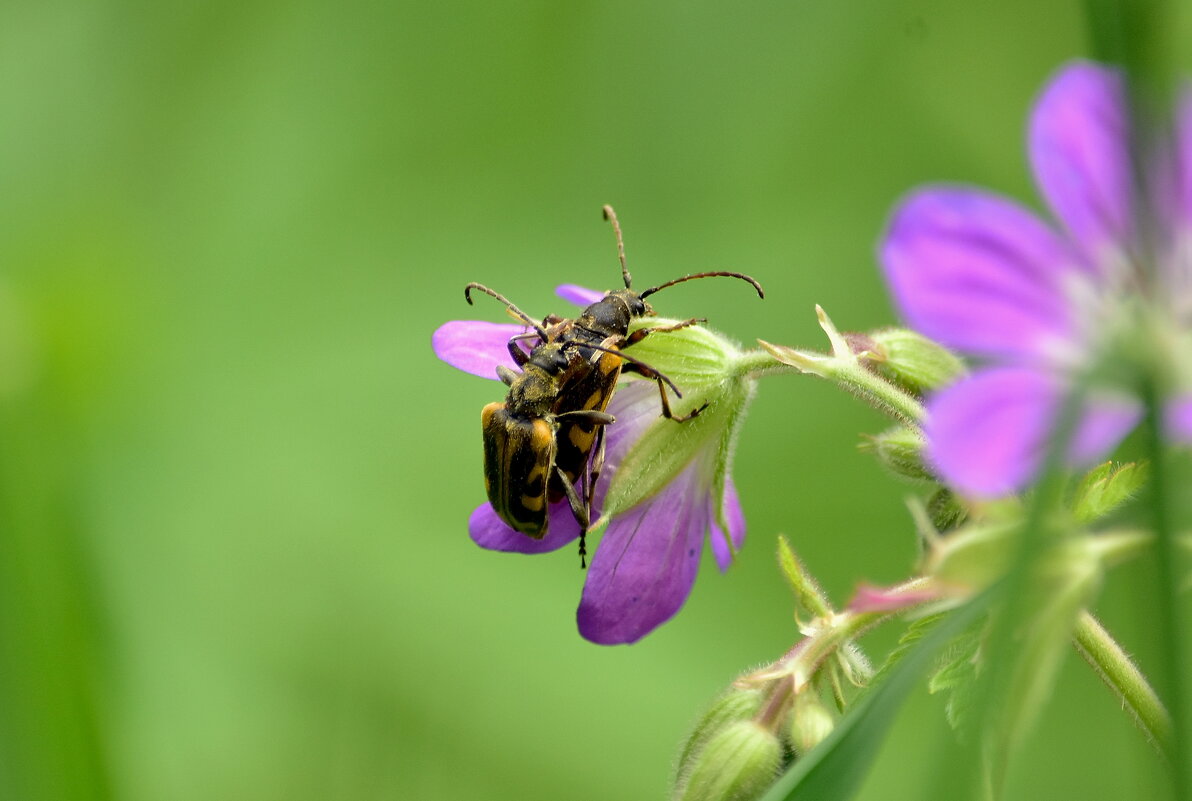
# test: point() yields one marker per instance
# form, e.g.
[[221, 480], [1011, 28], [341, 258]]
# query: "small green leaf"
[[1105, 488], [957, 674]]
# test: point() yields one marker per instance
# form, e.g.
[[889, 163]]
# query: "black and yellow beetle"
[[539, 443]]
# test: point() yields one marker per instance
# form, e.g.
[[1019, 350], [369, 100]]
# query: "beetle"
[[539, 443]]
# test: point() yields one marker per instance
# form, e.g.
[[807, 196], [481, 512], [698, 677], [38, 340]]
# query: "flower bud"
[[945, 510], [912, 361], [810, 722], [732, 706], [738, 763], [900, 450]]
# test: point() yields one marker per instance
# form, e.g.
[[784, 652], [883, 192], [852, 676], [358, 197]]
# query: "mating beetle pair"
[[548, 435]]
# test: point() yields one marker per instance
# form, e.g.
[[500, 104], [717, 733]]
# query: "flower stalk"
[[1098, 647], [1168, 607], [846, 369]]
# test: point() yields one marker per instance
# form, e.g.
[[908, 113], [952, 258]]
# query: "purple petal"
[[636, 407], [736, 528], [580, 296], [1080, 154], [1105, 421], [984, 433], [1178, 420], [979, 273], [490, 531], [646, 564], [475, 346], [987, 435]]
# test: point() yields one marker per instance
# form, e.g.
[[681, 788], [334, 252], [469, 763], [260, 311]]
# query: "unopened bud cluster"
[[730, 755], [746, 739]]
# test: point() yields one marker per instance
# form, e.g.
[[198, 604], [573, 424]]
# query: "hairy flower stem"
[[795, 672], [844, 368], [759, 363], [1122, 676]]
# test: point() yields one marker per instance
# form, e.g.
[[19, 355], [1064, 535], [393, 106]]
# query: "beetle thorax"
[[611, 315]]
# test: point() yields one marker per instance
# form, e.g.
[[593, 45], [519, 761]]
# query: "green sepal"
[[705, 367], [738, 763], [690, 356], [807, 591]]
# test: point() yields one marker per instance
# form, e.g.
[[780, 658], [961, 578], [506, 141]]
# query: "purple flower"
[[1042, 309], [645, 564]]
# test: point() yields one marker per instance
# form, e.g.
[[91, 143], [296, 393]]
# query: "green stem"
[[844, 370], [1167, 607], [848, 625], [758, 363], [1122, 676]]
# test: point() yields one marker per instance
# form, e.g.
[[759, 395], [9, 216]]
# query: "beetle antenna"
[[742, 276], [516, 312], [611, 216]]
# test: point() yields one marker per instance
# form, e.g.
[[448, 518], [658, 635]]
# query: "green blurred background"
[[235, 479]]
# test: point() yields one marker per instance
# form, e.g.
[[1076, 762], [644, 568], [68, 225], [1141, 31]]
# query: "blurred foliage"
[[235, 480]]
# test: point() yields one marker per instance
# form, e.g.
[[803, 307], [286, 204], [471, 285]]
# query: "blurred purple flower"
[[646, 562], [1039, 308]]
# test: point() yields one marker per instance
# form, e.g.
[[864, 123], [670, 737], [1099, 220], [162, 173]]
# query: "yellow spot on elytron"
[[486, 414], [594, 399], [534, 504], [535, 473], [540, 440], [580, 439]]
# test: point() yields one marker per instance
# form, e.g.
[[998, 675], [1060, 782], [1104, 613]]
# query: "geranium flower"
[[1045, 310], [664, 486]]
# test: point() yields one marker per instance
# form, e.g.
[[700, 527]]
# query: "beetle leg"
[[630, 363], [579, 510], [515, 350], [646, 371], [594, 469], [666, 409], [642, 333]]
